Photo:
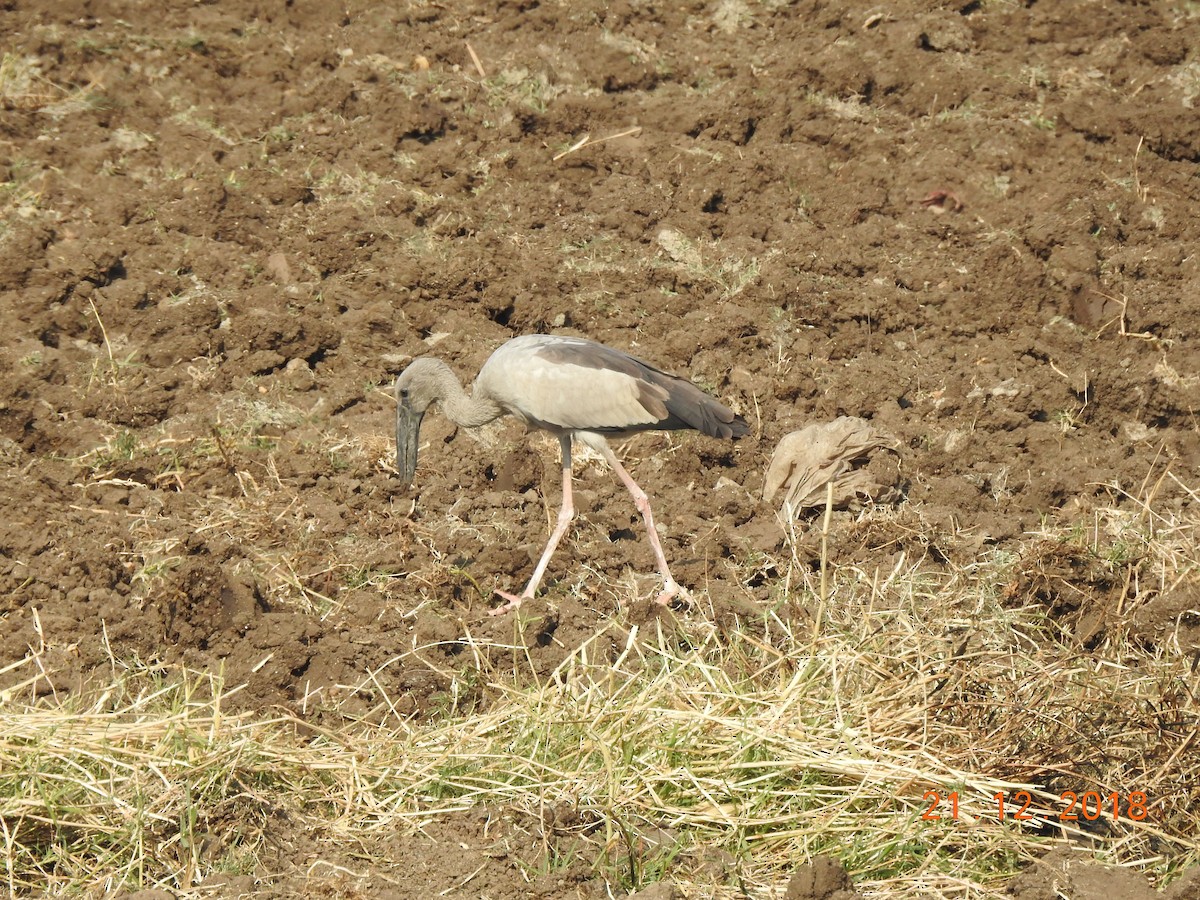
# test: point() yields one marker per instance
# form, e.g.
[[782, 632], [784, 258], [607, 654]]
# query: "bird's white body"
[[573, 388], [561, 395]]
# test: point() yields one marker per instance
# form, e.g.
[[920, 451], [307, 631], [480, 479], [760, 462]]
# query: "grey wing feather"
[[586, 385]]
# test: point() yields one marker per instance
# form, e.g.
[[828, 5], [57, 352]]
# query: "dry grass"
[[766, 740], [23, 86]]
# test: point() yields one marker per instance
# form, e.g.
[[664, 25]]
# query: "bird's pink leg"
[[565, 514], [671, 588]]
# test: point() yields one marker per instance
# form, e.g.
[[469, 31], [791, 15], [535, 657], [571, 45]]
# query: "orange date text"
[[1076, 806]]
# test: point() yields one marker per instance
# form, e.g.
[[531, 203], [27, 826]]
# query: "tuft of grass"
[[852, 107], [129, 786], [729, 274], [21, 195], [884, 729], [769, 740], [521, 88], [23, 86]]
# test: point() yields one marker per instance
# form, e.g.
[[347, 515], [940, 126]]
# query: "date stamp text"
[[1076, 806]]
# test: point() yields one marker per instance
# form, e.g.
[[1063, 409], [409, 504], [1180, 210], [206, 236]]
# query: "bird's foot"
[[514, 602], [673, 591]]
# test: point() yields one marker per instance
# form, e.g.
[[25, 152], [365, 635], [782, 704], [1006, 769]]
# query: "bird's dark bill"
[[408, 434]]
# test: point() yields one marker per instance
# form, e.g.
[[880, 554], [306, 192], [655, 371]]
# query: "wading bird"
[[575, 389]]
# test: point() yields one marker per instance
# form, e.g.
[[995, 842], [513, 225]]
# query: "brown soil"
[[228, 225]]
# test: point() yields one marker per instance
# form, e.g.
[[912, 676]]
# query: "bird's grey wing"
[[674, 402], [574, 383], [560, 383]]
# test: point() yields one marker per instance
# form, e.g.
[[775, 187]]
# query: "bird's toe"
[[514, 602], [673, 593]]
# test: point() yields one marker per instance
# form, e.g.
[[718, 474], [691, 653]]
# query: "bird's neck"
[[463, 409], [470, 412]]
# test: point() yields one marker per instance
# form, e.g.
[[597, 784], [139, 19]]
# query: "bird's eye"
[[403, 393]]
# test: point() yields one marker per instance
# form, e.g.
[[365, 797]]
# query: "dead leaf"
[[807, 460]]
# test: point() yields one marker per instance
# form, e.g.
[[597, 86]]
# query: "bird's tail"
[[689, 407]]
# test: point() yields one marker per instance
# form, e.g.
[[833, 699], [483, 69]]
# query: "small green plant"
[[1067, 420], [364, 577], [520, 87], [125, 446], [117, 448]]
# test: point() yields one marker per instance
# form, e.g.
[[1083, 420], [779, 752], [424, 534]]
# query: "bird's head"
[[417, 388]]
